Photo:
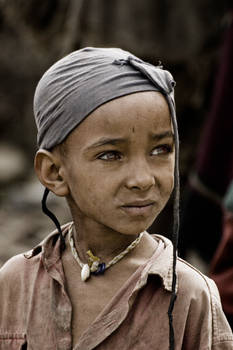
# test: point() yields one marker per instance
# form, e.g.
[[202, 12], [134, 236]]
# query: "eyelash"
[[117, 155]]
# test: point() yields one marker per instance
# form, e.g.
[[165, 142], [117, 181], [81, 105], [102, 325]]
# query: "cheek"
[[165, 189], [166, 183], [167, 186], [170, 185], [88, 190]]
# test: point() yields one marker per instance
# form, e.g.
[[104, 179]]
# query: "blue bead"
[[101, 269]]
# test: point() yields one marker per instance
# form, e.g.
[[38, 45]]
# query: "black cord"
[[170, 317], [47, 212], [175, 235]]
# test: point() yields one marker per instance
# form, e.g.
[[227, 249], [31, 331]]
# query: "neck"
[[103, 243]]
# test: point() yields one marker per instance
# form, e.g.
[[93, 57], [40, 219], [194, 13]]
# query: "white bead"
[[85, 273]]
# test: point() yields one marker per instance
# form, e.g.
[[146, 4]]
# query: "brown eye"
[[110, 156], [160, 150]]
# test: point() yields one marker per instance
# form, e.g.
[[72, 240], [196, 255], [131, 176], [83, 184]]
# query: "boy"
[[108, 143]]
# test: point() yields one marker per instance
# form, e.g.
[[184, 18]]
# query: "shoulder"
[[24, 268], [195, 286], [199, 295], [193, 280], [17, 268]]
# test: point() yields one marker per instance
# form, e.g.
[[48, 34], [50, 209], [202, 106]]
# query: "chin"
[[134, 229]]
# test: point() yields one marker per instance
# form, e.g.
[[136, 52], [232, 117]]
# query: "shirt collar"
[[159, 264], [162, 264], [49, 247]]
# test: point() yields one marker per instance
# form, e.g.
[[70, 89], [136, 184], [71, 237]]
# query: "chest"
[[89, 298], [87, 304]]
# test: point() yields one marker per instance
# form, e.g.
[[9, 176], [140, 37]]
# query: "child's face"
[[120, 163]]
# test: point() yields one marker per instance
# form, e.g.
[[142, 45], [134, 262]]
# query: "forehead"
[[138, 113]]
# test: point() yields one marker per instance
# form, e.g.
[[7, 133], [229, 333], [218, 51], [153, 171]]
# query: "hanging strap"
[[47, 212]]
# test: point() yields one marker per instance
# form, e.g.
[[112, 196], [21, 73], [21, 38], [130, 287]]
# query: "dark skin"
[[117, 175]]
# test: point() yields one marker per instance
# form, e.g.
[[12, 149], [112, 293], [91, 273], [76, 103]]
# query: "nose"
[[139, 176]]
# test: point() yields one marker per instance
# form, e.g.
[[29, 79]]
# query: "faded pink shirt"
[[35, 309]]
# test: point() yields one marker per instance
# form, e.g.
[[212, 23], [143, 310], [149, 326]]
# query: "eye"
[[161, 149], [110, 156]]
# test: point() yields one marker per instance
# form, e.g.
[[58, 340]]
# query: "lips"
[[139, 203], [139, 207]]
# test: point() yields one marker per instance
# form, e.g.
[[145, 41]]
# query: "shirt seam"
[[12, 335], [223, 339]]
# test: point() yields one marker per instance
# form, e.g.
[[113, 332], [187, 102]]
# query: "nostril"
[[142, 183]]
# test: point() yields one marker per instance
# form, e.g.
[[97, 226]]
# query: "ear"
[[50, 172]]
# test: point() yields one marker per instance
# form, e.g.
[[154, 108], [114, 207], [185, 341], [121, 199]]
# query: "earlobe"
[[48, 168]]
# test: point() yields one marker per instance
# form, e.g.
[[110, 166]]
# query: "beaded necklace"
[[94, 266]]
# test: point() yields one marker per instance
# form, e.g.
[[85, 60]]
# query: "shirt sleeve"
[[198, 302]]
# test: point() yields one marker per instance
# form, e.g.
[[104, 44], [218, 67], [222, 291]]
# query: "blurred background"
[[191, 38]]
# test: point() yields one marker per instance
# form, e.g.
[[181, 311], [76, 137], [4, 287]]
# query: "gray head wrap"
[[85, 79]]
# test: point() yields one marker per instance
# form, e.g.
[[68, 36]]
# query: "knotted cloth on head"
[[85, 79], [81, 82]]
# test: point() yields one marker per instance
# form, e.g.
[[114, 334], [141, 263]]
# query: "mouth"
[[138, 208]]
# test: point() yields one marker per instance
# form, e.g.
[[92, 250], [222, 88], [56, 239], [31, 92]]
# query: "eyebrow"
[[163, 135], [116, 141], [107, 141]]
